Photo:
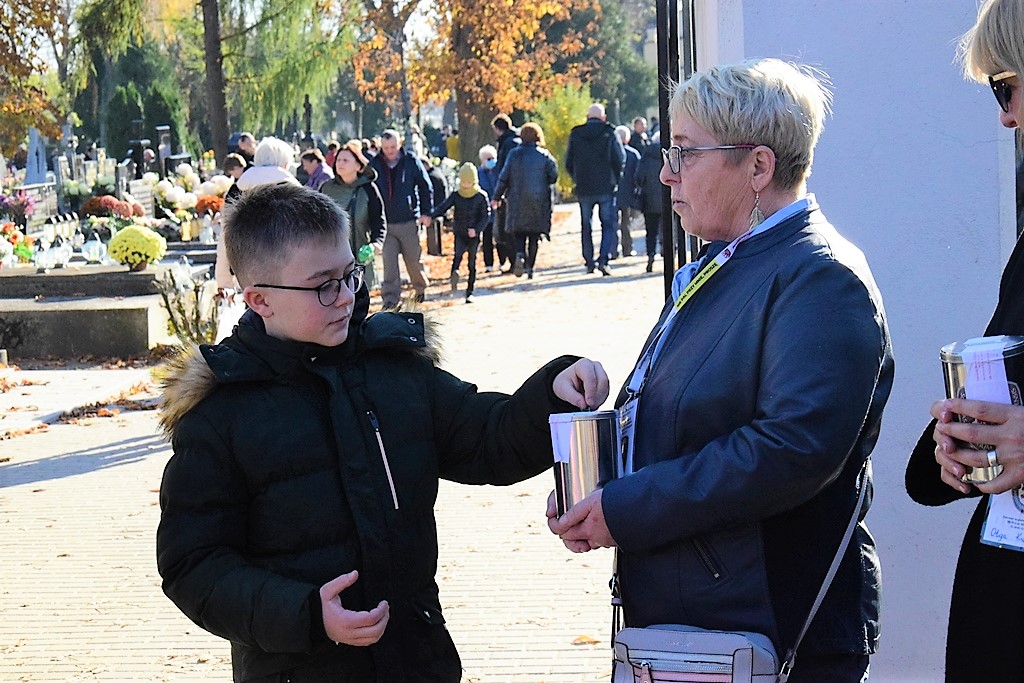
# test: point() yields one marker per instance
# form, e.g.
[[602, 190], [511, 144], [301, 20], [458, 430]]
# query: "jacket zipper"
[[705, 556], [383, 455]]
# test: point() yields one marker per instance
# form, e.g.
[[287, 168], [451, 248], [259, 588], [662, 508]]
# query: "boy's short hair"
[[233, 161], [263, 225]]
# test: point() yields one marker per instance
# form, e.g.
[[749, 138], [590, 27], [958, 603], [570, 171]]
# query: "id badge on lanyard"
[[628, 410]]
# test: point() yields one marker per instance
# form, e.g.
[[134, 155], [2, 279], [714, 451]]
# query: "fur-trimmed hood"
[[250, 355]]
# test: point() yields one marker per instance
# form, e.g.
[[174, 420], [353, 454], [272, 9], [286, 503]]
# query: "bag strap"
[[787, 666]]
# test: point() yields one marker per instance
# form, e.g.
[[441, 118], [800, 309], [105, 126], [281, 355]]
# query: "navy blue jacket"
[[405, 189], [625, 196], [594, 158], [760, 409]]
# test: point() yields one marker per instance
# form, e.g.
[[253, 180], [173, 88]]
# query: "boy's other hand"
[[346, 626], [583, 384]]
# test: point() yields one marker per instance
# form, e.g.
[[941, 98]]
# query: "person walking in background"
[[988, 589], [594, 158], [472, 211], [638, 138], [649, 193], [315, 166], [332, 151], [247, 148], [526, 180], [625, 196], [271, 160], [508, 139], [234, 167], [407, 194], [488, 181], [353, 188]]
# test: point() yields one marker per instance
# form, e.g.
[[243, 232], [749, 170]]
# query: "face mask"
[[490, 163]]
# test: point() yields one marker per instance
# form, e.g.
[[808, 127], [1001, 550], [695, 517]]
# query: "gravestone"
[[92, 172], [35, 170], [143, 194]]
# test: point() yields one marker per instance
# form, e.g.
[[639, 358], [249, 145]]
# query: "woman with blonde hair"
[[750, 416], [525, 182], [987, 605]]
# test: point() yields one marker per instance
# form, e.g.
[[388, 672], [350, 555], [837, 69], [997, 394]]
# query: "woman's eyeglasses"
[[676, 155], [1001, 89], [328, 292]]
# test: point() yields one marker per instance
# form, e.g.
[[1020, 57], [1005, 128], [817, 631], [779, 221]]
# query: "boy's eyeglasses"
[[328, 292], [1001, 89], [676, 155]]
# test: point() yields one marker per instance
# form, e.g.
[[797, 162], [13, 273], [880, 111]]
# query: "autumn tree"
[[380, 63], [500, 56], [23, 102]]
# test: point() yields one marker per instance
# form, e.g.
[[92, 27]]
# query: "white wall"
[[915, 169]]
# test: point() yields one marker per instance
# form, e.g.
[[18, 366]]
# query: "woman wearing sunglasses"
[[758, 397], [987, 606]]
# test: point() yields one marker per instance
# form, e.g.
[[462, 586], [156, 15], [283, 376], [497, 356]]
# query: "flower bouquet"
[[21, 246], [17, 206], [136, 247], [107, 205]]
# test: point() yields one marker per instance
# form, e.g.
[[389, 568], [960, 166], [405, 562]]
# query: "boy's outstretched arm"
[[583, 384]]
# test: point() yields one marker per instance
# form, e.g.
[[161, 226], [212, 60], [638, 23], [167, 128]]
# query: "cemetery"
[[98, 254]]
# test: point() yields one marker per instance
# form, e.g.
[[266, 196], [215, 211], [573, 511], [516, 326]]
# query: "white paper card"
[[1004, 522], [986, 381], [561, 435]]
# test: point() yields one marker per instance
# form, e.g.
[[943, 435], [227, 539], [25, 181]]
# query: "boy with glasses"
[[297, 509]]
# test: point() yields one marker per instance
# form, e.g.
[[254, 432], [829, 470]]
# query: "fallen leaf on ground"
[[585, 640]]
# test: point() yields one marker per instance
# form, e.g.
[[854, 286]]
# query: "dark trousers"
[[488, 245], [466, 245], [527, 245], [502, 239], [652, 222], [608, 215]]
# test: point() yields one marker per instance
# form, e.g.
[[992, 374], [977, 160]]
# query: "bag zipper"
[[383, 455], [705, 556]]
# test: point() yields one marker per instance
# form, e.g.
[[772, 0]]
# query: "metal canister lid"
[[953, 353], [586, 416]]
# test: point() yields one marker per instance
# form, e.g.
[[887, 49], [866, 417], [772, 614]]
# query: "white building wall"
[[914, 168]]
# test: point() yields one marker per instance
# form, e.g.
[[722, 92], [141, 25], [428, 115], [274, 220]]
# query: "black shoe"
[[590, 269], [529, 273], [650, 266], [469, 298], [604, 270], [518, 267]]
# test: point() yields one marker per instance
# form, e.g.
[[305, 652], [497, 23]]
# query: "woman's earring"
[[756, 217]]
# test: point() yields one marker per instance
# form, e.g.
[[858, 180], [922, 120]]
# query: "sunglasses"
[[1001, 89]]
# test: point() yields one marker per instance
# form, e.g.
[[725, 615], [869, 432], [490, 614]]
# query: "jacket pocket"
[[703, 550]]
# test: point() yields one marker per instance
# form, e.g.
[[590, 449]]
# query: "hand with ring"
[[997, 424]]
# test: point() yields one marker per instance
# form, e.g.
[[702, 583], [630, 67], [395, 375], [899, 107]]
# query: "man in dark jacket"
[[508, 139], [595, 159], [408, 198], [297, 510]]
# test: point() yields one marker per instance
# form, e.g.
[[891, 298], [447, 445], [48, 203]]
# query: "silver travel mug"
[[955, 373], [586, 447]]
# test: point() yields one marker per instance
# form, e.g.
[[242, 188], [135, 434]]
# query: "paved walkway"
[[79, 592]]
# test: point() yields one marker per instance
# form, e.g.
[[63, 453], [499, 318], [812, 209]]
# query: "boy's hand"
[[472, 233], [346, 626], [583, 384]]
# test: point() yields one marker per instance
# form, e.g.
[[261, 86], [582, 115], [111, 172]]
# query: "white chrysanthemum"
[[173, 195], [222, 182], [162, 188], [206, 189], [188, 200], [184, 169], [151, 177]]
